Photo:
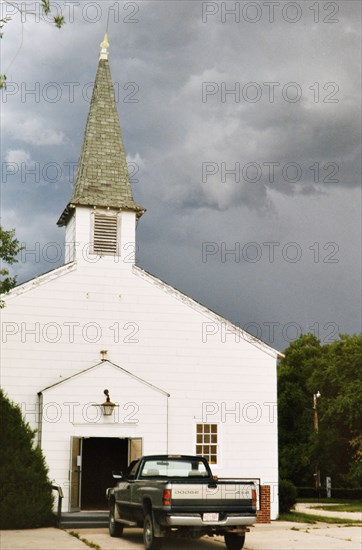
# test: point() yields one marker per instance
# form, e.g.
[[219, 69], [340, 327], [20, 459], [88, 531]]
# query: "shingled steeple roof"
[[102, 177]]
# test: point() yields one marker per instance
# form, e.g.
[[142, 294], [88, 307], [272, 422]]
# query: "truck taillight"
[[253, 497], [166, 499]]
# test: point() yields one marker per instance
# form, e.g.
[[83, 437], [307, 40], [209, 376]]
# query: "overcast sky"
[[242, 131]]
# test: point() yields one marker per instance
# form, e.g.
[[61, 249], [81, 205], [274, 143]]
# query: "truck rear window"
[[171, 468]]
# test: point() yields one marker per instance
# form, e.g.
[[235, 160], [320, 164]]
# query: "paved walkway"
[[277, 536], [39, 539], [309, 508]]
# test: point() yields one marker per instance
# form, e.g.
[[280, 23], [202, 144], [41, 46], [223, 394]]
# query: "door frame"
[[75, 473]]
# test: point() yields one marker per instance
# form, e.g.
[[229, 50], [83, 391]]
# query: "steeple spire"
[[102, 177]]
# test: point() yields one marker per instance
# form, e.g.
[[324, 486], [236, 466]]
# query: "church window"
[[207, 442]]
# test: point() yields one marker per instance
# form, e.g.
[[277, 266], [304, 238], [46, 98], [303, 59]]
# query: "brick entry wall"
[[263, 515]]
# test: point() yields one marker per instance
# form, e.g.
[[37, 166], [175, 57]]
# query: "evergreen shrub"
[[26, 498], [287, 495]]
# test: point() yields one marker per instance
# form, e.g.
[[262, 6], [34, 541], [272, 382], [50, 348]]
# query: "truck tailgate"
[[224, 495]]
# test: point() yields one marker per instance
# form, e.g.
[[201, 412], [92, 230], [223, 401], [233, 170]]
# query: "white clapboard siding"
[[56, 325]]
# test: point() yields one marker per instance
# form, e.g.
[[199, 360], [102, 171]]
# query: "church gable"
[[100, 371], [78, 404]]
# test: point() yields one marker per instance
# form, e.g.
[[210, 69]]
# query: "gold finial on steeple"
[[104, 48]]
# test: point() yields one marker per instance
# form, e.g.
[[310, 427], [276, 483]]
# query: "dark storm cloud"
[[177, 131]]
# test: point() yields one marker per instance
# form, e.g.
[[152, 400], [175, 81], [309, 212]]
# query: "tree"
[[58, 21], [26, 494], [9, 248], [340, 382], [296, 436], [334, 370]]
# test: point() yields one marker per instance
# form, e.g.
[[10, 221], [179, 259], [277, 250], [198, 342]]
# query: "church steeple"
[[102, 179]]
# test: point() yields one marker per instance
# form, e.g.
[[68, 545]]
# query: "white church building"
[[180, 378]]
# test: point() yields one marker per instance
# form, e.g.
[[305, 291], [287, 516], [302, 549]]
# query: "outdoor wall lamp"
[[107, 407]]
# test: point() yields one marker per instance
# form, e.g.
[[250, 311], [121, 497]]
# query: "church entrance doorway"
[[93, 460], [100, 456]]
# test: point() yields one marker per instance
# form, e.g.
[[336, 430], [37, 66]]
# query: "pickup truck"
[[171, 495]]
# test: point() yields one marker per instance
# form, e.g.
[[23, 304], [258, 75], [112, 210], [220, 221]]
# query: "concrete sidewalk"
[[48, 538], [277, 536]]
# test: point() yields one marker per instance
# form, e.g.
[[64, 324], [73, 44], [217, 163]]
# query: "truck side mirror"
[[116, 474]]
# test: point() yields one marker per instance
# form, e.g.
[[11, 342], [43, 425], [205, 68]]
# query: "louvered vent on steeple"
[[105, 234]]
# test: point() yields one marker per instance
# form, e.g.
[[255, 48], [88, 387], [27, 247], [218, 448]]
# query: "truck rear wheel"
[[149, 539], [234, 541], [115, 529]]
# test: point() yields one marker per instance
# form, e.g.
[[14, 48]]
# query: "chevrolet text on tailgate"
[[178, 496]]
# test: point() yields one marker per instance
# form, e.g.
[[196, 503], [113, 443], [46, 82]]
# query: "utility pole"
[[315, 408], [317, 474]]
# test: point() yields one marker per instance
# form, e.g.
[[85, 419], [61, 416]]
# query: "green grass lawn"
[[300, 517], [329, 500]]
